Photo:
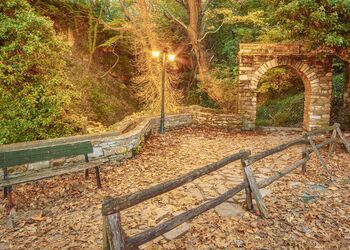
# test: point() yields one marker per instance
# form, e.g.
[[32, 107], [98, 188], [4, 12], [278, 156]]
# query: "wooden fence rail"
[[114, 236], [114, 205]]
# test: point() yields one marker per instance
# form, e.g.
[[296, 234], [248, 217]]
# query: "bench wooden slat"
[[24, 156], [47, 173]]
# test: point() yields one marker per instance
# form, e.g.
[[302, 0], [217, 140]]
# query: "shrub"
[[34, 91], [287, 110]]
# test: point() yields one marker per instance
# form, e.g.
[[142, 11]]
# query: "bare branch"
[[176, 19], [182, 3], [211, 32], [125, 10], [115, 64], [108, 26], [206, 5]]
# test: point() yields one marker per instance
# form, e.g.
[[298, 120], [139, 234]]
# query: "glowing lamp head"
[[155, 53], [171, 57]]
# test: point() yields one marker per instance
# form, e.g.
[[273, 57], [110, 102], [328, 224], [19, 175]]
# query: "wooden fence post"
[[331, 146], [114, 232], [318, 154], [113, 235], [343, 139], [304, 154], [256, 192], [105, 243], [248, 191]]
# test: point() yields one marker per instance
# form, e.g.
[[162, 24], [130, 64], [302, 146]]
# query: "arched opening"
[[281, 98]]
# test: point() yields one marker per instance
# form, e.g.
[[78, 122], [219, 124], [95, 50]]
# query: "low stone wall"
[[107, 147], [121, 147], [227, 121], [111, 147]]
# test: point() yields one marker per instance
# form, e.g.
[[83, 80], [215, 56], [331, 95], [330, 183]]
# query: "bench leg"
[[98, 179], [10, 197], [5, 192], [86, 170], [5, 177]]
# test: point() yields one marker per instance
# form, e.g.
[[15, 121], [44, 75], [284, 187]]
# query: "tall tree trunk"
[[346, 106], [194, 32], [93, 30]]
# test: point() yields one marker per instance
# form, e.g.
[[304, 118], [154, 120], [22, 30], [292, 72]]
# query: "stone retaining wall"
[[107, 147], [112, 147], [227, 121]]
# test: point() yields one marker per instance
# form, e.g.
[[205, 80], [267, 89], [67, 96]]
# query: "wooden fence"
[[115, 238]]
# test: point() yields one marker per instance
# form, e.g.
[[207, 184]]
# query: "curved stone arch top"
[[256, 59]]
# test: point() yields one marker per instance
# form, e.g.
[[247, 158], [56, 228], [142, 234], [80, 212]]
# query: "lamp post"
[[171, 58]]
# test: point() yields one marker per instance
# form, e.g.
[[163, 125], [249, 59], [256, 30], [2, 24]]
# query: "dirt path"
[[65, 212]]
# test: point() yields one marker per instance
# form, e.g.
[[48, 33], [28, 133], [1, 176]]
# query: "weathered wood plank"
[[18, 157], [343, 139], [114, 232], [303, 155], [256, 193], [105, 242], [321, 145], [318, 154], [120, 203], [268, 181], [48, 173], [248, 191], [331, 145], [323, 130], [166, 226], [275, 150]]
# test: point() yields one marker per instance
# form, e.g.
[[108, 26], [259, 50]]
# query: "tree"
[[324, 25], [140, 22], [34, 91], [202, 19]]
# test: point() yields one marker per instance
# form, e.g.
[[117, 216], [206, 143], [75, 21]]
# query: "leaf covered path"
[[305, 210]]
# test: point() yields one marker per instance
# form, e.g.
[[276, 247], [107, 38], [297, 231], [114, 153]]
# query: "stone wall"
[[107, 147], [316, 72], [112, 147], [212, 118]]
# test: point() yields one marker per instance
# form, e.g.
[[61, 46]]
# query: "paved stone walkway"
[[65, 212]]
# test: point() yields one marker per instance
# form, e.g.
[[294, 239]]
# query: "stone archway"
[[316, 72]]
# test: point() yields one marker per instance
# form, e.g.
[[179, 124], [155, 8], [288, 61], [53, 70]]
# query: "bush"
[[287, 111], [34, 91]]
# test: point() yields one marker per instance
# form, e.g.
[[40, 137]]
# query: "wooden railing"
[[114, 236]]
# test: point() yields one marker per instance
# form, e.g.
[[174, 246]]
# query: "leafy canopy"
[[323, 23]]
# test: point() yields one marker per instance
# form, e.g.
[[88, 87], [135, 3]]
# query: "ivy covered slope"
[[35, 94]]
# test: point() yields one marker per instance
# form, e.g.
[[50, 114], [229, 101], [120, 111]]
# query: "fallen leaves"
[[65, 212]]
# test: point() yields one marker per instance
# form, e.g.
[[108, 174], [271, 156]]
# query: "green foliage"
[[104, 100], [197, 97], [319, 23], [34, 92], [221, 86], [339, 79], [287, 111], [277, 81], [280, 98]]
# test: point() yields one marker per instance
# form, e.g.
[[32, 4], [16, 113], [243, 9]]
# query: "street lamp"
[[171, 58]]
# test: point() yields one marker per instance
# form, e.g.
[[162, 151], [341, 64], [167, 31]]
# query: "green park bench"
[[13, 155]]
